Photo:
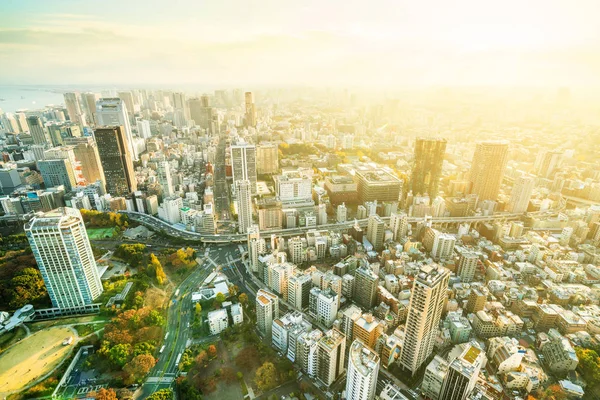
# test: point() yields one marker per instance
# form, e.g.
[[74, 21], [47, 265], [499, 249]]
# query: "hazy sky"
[[357, 43]]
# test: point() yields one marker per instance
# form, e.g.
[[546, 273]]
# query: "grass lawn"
[[84, 330], [11, 338], [32, 358], [100, 233], [38, 326]]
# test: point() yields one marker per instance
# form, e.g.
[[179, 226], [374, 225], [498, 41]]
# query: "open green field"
[[100, 233], [32, 358]]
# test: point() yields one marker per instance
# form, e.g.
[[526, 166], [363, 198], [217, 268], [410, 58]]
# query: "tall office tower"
[[63, 253], [267, 158], [86, 152], [127, 98], [250, 110], [73, 108], [143, 128], [115, 157], [57, 172], [89, 104], [253, 247], [323, 305], [363, 368], [244, 205], [341, 213], [267, 309], [113, 112], [443, 246], [195, 109], [296, 250], [399, 225], [243, 163], [521, 194], [467, 265], [37, 130], [462, 374], [21, 119], [376, 231], [547, 162], [426, 304], [299, 286], [487, 168], [330, 356], [365, 287], [163, 173], [427, 168]]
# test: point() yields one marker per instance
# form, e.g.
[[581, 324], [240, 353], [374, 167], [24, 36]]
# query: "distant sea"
[[13, 98]]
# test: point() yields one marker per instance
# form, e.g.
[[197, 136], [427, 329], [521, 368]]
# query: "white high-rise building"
[[426, 304], [296, 250], [399, 225], [376, 231], [170, 209], [74, 108], [113, 112], [267, 309], [143, 128], [243, 163], [342, 213], [163, 173], [253, 247], [322, 214], [244, 205], [462, 374], [467, 265], [323, 305], [64, 256], [443, 246], [363, 368], [521, 194], [299, 286]]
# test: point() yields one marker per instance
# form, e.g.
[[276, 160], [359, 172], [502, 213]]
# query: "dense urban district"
[[301, 244]]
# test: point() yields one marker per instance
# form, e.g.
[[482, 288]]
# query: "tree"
[[220, 298], [243, 299], [138, 367], [233, 289], [202, 358], [155, 318], [106, 394], [198, 309], [212, 351], [143, 348], [156, 270], [266, 376], [119, 354], [27, 286], [124, 394], [163, 394]]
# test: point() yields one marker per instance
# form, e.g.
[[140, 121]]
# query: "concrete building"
[[365, 287], [113, 112], [467, 265], [38, 131], [243, 164], [376, 231], [462, 374], [267, 159], [521, 194], [323, 305], [267, 309], [217, 321], [377, 184], [163, 174], [116, 159], [399, 225], [363, 368], [427, 168], [253, 247], [559, 355], [57, 172], [86, 152], [331, 351], [487, 169], [244, 202], [64, 256], [299, 288], [426, 304]]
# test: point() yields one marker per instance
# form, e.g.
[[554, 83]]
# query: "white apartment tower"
[[163, 173], [399, 225], [62, 250], [253, 247], [363, 368], [243, 163], [443, 246], [244, 205], [521, 194], [342, 213], [467, 265], [425, 309], [267, 309]]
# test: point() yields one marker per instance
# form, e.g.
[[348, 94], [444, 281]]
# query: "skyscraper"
[[127, 98], [376, 231], [547, 162], [331, 350], [365, 287], [244, 205], [487, 169], [425, 309], [399, 225], [363, 368], [163, 173], [462, 374], [250, 110], [521, 194], [62, 250], [57, 172], [243, 164], [253, 247], [267, 158], [113, 112], [427, 168], [37, 130], [267, 309], [89, 104], [74, 108], [86, 152], [115, 158]]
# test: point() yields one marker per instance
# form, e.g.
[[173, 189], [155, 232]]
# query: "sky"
[[362, 43]]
